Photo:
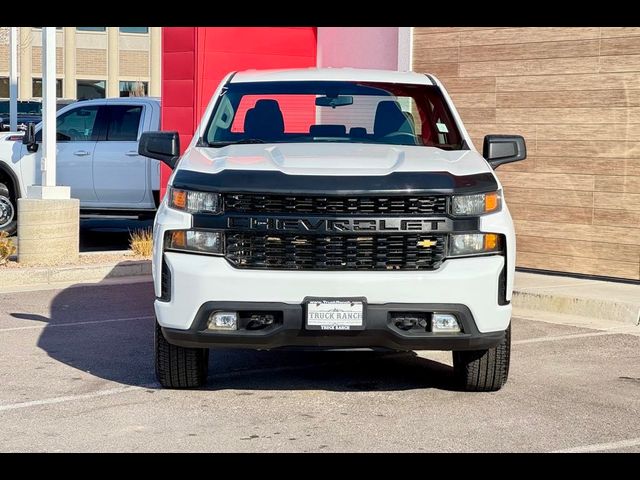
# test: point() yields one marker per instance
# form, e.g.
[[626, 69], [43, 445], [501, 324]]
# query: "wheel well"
[[8, 178]]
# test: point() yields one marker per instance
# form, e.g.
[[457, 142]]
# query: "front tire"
[[8, 210], [179, 367], [483, 370]]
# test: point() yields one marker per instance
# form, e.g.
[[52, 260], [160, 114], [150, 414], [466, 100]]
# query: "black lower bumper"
[[380, 331]]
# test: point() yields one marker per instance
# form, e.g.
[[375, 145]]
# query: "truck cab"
[[97, 156], [333, 208]]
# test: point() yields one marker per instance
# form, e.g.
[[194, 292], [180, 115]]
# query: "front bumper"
[[289, 330], [197, 280]]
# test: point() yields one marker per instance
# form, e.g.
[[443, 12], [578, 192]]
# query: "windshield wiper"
[[235, 142]]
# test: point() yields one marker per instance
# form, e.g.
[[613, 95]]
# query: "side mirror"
[[29, 138], [163, 146], [499, 149]]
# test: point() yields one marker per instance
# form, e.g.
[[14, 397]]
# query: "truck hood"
[[333, 159]]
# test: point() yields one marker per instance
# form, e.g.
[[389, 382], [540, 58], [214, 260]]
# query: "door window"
[[124, 122], [77, 125]]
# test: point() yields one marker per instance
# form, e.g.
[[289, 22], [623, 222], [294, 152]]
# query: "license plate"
[[335, 315]]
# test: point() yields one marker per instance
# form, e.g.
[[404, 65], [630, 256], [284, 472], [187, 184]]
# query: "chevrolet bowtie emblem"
[[426, 243]]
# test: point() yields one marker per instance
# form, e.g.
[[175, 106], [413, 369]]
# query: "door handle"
[[81, 153], [131, 153]]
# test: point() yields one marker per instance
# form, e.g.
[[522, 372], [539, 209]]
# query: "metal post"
[[13, 79], [49, 107]]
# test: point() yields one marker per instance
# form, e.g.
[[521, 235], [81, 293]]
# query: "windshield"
[[25, 108], [348, 112]]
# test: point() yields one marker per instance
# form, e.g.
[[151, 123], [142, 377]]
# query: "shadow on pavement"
[[107, 331]]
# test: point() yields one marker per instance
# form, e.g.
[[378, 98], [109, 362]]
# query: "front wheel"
[[483, 370], [8, 211], [179, 367]]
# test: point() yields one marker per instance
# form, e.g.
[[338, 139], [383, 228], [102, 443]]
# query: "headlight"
[[474, 244], [197, 241], [475, 204], [195, 202]]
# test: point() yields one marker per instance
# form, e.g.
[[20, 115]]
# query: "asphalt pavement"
[[77, 375]]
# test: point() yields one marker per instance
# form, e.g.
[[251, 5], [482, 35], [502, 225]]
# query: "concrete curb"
[[615, 311], [25, 277]]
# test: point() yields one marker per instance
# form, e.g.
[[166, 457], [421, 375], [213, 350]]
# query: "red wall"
[[196, 59]]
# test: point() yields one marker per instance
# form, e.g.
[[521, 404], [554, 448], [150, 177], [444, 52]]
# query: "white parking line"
[[70, 398], [600, 447], [72, 324]]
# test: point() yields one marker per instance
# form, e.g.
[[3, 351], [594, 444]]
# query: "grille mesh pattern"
[[335, 252], [257, 203]]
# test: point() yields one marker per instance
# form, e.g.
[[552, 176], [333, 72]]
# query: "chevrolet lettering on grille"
[[328, 225]]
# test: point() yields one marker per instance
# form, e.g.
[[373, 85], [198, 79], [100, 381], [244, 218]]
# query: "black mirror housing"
[[29, 138], [163, 146], [499, 149]]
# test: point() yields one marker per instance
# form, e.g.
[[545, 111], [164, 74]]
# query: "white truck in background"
[[97, 156]]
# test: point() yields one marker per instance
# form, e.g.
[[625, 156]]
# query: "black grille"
[[418, 205], [335, 252]]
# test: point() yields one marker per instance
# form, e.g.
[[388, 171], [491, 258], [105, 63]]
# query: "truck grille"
[[418, 205], [335, 252]]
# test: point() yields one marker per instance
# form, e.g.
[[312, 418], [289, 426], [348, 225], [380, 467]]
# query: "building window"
[[40, 28], [88, 89], [92, 29], [134, 29], [36, 87], [4, 87], [134, 89]]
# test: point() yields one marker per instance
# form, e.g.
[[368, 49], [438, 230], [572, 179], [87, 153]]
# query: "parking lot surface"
[[77, 375]]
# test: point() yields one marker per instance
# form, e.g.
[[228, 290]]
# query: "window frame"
[[83, 29], [61, 80], [134, 33], [120, 82], [91, 80]]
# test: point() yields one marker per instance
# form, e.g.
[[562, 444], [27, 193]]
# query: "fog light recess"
[[223, 321], [444, 323]]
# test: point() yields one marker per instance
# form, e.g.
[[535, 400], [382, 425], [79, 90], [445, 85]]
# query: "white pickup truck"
[[97, 156], [333, 208]]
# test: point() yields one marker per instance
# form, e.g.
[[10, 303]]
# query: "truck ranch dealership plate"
[[335, 315]]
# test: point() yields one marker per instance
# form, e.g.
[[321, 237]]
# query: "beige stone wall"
[[91, 62], [4, 58], [88, 59], [36, 61], [134, 63]]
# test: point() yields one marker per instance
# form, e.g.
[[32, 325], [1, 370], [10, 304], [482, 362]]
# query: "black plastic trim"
[[274, 182], [379, 332], [585, 276]]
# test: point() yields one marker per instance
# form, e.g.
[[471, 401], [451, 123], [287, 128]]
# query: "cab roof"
[[331, 74]]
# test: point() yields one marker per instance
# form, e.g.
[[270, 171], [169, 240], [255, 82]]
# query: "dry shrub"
[[141, 242], [7, 248]]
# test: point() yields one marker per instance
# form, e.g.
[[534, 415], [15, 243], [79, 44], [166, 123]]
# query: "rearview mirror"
[[333, 102], [163, 146], [499, 149], [29, 138]]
